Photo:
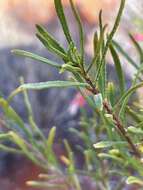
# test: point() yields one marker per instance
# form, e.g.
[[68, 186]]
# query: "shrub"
[[112, 137]]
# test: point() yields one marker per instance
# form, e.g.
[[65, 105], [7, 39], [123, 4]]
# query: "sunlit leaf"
[[106, 144], [134, 180], [135, 130]]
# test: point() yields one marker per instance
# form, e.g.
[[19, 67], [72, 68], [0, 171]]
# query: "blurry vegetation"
[[112, 137]]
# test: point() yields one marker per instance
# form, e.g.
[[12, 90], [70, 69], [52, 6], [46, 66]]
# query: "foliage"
[[113, 134]]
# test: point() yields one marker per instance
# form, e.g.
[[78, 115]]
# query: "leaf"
[[95, 42], [42, 184], [137, 75], [111, 93], [124, 99], [135, 115], [51, 137], [10, 149], [127, 57], [4, 136], [12, 115], [35, 57], [46, 44], [50, 38], [135, 130], [81, 34], [46, 85], [134, 180], [109, 156], [68, 67], [61, 15], [110, 37], [98, 101], [119, 70], [20, 142], [138, 47], [106, 144]]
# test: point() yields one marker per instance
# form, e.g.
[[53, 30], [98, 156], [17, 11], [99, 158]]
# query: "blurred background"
[[17, 30]]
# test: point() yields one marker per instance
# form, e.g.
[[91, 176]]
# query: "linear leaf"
[[119, 70], [111, 93], [109, 156], [61, 15], [11, 114], [46, 185], [137, 75], [81, 34], [106, 144], [110, 37], [35, 57], [124, 99], [21, 143], [134, 180], [9, 149], [50, 38], [138, 47], [49, 47], [4, 136], [46, 85], [135, 130], [51, 137], [126, 56]]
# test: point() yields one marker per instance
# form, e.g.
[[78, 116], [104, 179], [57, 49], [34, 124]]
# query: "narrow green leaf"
[[32, 122], [95, 42], [110, 37], [61, 15], [50, 38], [42, 184], [81, 34], [119, 70], [10, 149], [47, 176], [135, 130], [21, 143], [69, 67], [134, 180], [137, 75], [109, 156], [46, 85], [98, 100], [35, 57], [124, 100], [98, 50], [106, 144], [51, 137], [111, 93], [46, 44], [127, 57], [4, 136], [135, 115], [49, 146], [138, 47], [12, 115]]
